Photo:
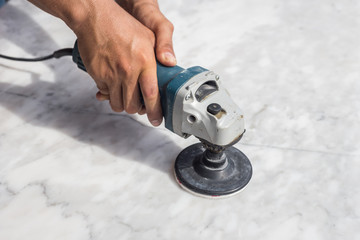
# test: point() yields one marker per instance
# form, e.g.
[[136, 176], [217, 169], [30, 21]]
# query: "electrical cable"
[[57, 54]]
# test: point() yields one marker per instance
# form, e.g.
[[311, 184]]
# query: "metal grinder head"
[[212, 168]]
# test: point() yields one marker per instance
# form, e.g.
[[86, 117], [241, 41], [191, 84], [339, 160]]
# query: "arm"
[[118, 50]]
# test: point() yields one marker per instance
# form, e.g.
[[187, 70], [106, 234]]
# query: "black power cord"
[[57, 54]]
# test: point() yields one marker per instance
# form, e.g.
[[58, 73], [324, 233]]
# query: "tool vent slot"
[[206, 90]]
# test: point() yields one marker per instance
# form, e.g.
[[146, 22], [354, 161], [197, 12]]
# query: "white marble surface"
[[71, 169]]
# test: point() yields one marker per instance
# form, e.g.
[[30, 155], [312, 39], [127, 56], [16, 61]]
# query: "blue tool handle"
[[164, 74], [170, 80]]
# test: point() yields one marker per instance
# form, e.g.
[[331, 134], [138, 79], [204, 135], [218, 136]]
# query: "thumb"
[[164, 44]]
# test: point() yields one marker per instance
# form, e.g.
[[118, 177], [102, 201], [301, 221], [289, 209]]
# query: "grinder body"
[[194, 102]]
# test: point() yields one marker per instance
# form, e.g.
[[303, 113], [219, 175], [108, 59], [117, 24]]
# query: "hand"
[[118, 53], [148, 13], [118, 50]]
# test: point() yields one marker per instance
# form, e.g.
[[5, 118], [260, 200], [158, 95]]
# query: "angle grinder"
[[194, 102]]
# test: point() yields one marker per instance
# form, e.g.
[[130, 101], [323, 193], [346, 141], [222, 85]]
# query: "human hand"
[[148, 13], [118, 50], [118, 53]]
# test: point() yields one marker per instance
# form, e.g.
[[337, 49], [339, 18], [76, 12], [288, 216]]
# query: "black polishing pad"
[[204, 178]]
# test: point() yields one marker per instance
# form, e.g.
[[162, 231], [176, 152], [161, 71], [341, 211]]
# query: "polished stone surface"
[[70, 168]]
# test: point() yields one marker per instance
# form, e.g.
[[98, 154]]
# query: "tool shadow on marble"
[[58, 106]]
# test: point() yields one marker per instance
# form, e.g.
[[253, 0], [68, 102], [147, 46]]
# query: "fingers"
[[125, 94], [164, 44], [131, 96], [102, 97], [116, 99], [150, 92], [125, 59], [142, 110], [103, 93], [149, 14]]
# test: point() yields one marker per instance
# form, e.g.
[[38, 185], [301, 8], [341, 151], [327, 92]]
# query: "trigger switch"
[[214, 108]]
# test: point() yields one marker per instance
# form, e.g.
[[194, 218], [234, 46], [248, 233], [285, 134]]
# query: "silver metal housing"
[[190, 116]]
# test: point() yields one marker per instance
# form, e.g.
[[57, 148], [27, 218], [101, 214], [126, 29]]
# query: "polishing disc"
[[195, 177]]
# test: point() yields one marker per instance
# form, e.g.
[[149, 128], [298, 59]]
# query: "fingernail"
[[169, 57], [155, 123]]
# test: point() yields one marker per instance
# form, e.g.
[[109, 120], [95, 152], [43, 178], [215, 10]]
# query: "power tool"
[[194, 102]]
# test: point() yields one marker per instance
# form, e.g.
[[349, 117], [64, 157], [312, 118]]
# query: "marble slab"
[[72, 169]]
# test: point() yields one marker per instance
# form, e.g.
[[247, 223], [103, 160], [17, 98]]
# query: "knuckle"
[[170, 26], [144, 58], [165, 26], [108, 76], [101, 85], [125, 68], [143, 55], [104, 72]]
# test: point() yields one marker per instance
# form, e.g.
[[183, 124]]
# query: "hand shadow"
[[69, 105]]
